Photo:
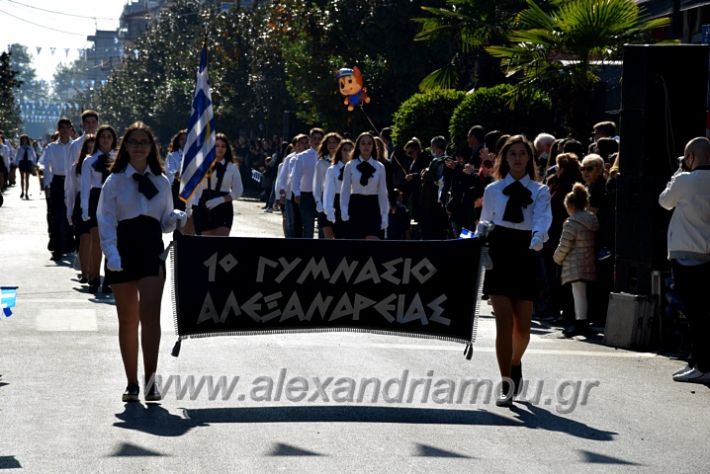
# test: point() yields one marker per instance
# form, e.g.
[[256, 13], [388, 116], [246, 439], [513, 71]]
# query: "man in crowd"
[[688, 194], [302, 182]]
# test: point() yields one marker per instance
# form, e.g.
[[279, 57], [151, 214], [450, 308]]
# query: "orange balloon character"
[[351, 86]]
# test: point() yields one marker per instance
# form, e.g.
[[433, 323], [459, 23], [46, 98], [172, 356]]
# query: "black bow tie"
[[102, 165], [145, 185], [340, 175], [518, 197], [366, 172]]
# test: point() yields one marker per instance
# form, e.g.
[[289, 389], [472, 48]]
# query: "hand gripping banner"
[[249, 286]]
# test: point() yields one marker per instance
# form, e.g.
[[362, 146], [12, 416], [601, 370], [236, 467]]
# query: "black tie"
[[102, 165], [145, 185], [340, 175], [366, 172], [518, 197]]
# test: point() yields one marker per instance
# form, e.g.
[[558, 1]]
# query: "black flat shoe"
[[131, 394], [505, 398]]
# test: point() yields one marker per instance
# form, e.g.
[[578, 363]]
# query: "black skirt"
[[365, 218], [25, 166], [515, 272], [177, 202], [340, 228], [210, 219], [94, 196], [140, 243], [80, 226]]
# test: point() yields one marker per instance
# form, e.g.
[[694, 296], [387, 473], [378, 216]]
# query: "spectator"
[[476, 140], [543, 144]]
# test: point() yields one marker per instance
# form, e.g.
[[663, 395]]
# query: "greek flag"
[[465, 234], [199, 145], [8, 297]]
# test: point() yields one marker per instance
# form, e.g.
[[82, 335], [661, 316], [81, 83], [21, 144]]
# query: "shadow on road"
[[153, 419], [539, 418]]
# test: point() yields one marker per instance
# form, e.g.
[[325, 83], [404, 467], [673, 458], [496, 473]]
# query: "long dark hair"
[[155, 163], [356, 150], [339, 151], [229, 154], [502, 168], [175, 141], [113, 133], [323, 148], [89, 141]]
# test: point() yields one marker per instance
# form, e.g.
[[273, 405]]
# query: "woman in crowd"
[[26, 160], [575, 253], [135, 208], [95, 170], [72, 196], [363, 199], [214, 213], [333, 188], [326, 156], [519, 209]]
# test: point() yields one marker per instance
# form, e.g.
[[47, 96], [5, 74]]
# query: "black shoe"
[[578, 328], [56, 256], [505, 398], [153, 394], [516, 374], [131, 393], [106, 289], [83, 280], [94, 285]]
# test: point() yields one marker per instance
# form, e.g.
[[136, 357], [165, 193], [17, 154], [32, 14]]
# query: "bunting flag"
[[200, 143]]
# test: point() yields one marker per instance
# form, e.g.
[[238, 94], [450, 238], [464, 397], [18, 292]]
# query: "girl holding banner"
[[519, 209], [135, 208], [363, 199], [214, 213]]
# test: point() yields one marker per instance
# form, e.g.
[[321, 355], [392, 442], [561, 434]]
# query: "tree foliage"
[[9, 85], [425, 115]]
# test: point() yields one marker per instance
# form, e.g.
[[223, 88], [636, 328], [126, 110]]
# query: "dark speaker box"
[[663, 95]]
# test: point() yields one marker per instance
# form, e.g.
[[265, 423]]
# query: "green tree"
[[466, 27], [425, 115], [556, 50], [10, 120], [21, 62]]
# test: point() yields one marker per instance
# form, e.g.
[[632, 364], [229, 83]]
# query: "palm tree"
[[555, 51], [467, 26]]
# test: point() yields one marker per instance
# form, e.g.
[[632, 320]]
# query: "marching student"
[[72, 195], [326, 156], [89, 124], [333, 188], [364, 202], [284, 189], [94, 172], [26, 160], [302, 182], [519, 208], [214, 214], [135, 209], [56, 160]]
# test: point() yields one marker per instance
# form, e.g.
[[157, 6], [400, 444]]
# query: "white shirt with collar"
[[231, 183], [283, 179], [71, 188], [75, 149], [120, 200], [537, 216], [173, 164], [303, 170], [90, 179], [5, 152], [376, 185], [333, 186], [56, 160], [20, 155], [322, 166]]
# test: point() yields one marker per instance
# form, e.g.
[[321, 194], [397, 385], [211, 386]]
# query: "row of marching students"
[[338, 184]]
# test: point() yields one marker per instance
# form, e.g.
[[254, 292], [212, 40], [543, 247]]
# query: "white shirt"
[[5, 152], [120, 200], [231, 183], [56, 160], [322, 166], [283, 179], [31, 155], [537, 217], [332, 187], [90, 179], [71, 187], [303, 169], [376, 185], [173, 164], [75, 149]]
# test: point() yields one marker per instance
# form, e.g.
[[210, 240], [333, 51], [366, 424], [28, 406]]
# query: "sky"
[[42, 36]]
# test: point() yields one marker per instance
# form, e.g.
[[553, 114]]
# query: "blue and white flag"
[[200, 144], [465, 234], [8, 297]]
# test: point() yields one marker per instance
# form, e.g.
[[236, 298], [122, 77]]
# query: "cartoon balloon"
[[351, 86]]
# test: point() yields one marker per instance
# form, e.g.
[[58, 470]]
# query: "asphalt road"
[[600, 408]]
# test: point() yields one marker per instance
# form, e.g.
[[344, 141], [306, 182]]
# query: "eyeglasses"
[[139, 143], [589, 168]]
